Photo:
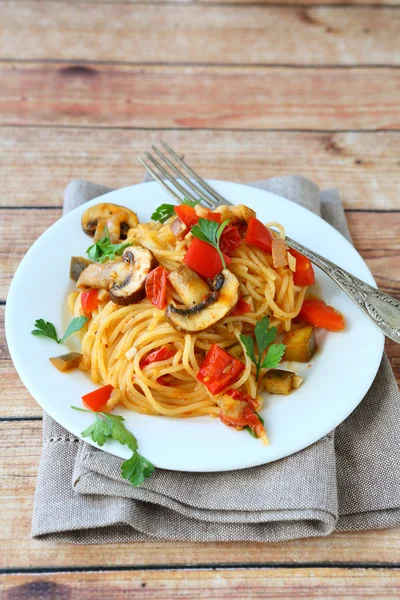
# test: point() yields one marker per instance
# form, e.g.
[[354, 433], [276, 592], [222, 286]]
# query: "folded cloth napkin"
[[348, 480]]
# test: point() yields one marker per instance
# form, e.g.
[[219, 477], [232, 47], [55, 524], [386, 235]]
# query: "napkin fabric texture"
[[349, 480]]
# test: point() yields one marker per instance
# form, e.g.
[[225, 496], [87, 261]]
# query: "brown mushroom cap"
[[117, 219]]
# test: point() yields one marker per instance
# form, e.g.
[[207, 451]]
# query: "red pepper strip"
[[157, 356], [204, 259], [258, 235], [238, 395], [239, 413], [156, 286], [241, 308], [219, 370], [304, 273], [230, 240], [89, 301], [317, 313], [189, 217], [97, 399]]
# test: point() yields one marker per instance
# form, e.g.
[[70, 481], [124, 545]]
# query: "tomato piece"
[[157, 356], [304, 273], [204, 259], [89, 301], [230, 239], [213, 217], [238, 395], [156, 286], [258, 235], [239, 413], [317, 313], [187, 214], [219, 370], [97, 399], [241, 308]]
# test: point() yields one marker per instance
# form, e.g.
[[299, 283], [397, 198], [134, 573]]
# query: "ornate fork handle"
[[382, 309]]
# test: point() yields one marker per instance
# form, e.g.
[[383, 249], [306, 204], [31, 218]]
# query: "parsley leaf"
[[136, 469], [264, 339], [104, 250], [47, 329], [163, 213], [106, 426], [210, 232]]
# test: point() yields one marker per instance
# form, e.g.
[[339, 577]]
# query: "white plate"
[[340, 374]]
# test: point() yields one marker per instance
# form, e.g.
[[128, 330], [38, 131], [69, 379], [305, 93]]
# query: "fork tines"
[[166, 172]]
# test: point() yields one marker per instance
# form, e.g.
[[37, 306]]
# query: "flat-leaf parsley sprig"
[[106, 426], [104, 250], [210, 232], [47, 329], [264, 339], [165, 211]]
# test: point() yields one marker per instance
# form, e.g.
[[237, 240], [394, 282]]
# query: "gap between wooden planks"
[[199, 97], [37, 163], [285, 584], [200, 33], [20, 446]]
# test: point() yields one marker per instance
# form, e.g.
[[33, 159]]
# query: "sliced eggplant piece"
[[117, 219], [218, 303], [278, 381], [300, 344], [189, 286], [77, 265], [66, 362]]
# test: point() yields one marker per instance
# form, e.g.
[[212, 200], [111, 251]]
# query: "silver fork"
[[382, 309]]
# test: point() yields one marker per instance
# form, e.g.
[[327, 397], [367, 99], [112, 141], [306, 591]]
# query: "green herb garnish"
[[47, 329], [106, 426], [210, 232], [165, 211], [251, 432], [264, 339], [104, 250]]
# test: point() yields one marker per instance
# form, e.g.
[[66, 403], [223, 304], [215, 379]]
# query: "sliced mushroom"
[[117, 219], [125, 279], [211, 310], [189, 286]]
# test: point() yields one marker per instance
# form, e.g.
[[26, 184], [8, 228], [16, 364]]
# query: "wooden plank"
[[37, 163], [327, 584], [20, 446], [218, 2], [221, 98], [200, 33]]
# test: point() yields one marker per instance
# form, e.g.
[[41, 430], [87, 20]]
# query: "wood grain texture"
[[200, 33], [219, 2], [285, 584], [199, 97], [20, 446], [37, 163]]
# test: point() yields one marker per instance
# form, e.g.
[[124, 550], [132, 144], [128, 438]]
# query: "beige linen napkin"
[[348, 480]]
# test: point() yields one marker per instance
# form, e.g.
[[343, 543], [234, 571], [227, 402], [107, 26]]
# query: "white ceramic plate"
[[340, 373]]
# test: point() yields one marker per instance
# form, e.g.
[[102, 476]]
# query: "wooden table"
[[246, 90]]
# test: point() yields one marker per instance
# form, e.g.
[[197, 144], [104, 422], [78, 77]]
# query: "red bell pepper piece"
[[241, 308], [187, 214], [230, 239], [157, 356], [219, 370], [213, 217], [304, 273], [317, 313], [156, 286], [89, 301], [204, 259], [97, 399], [258, 235]]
